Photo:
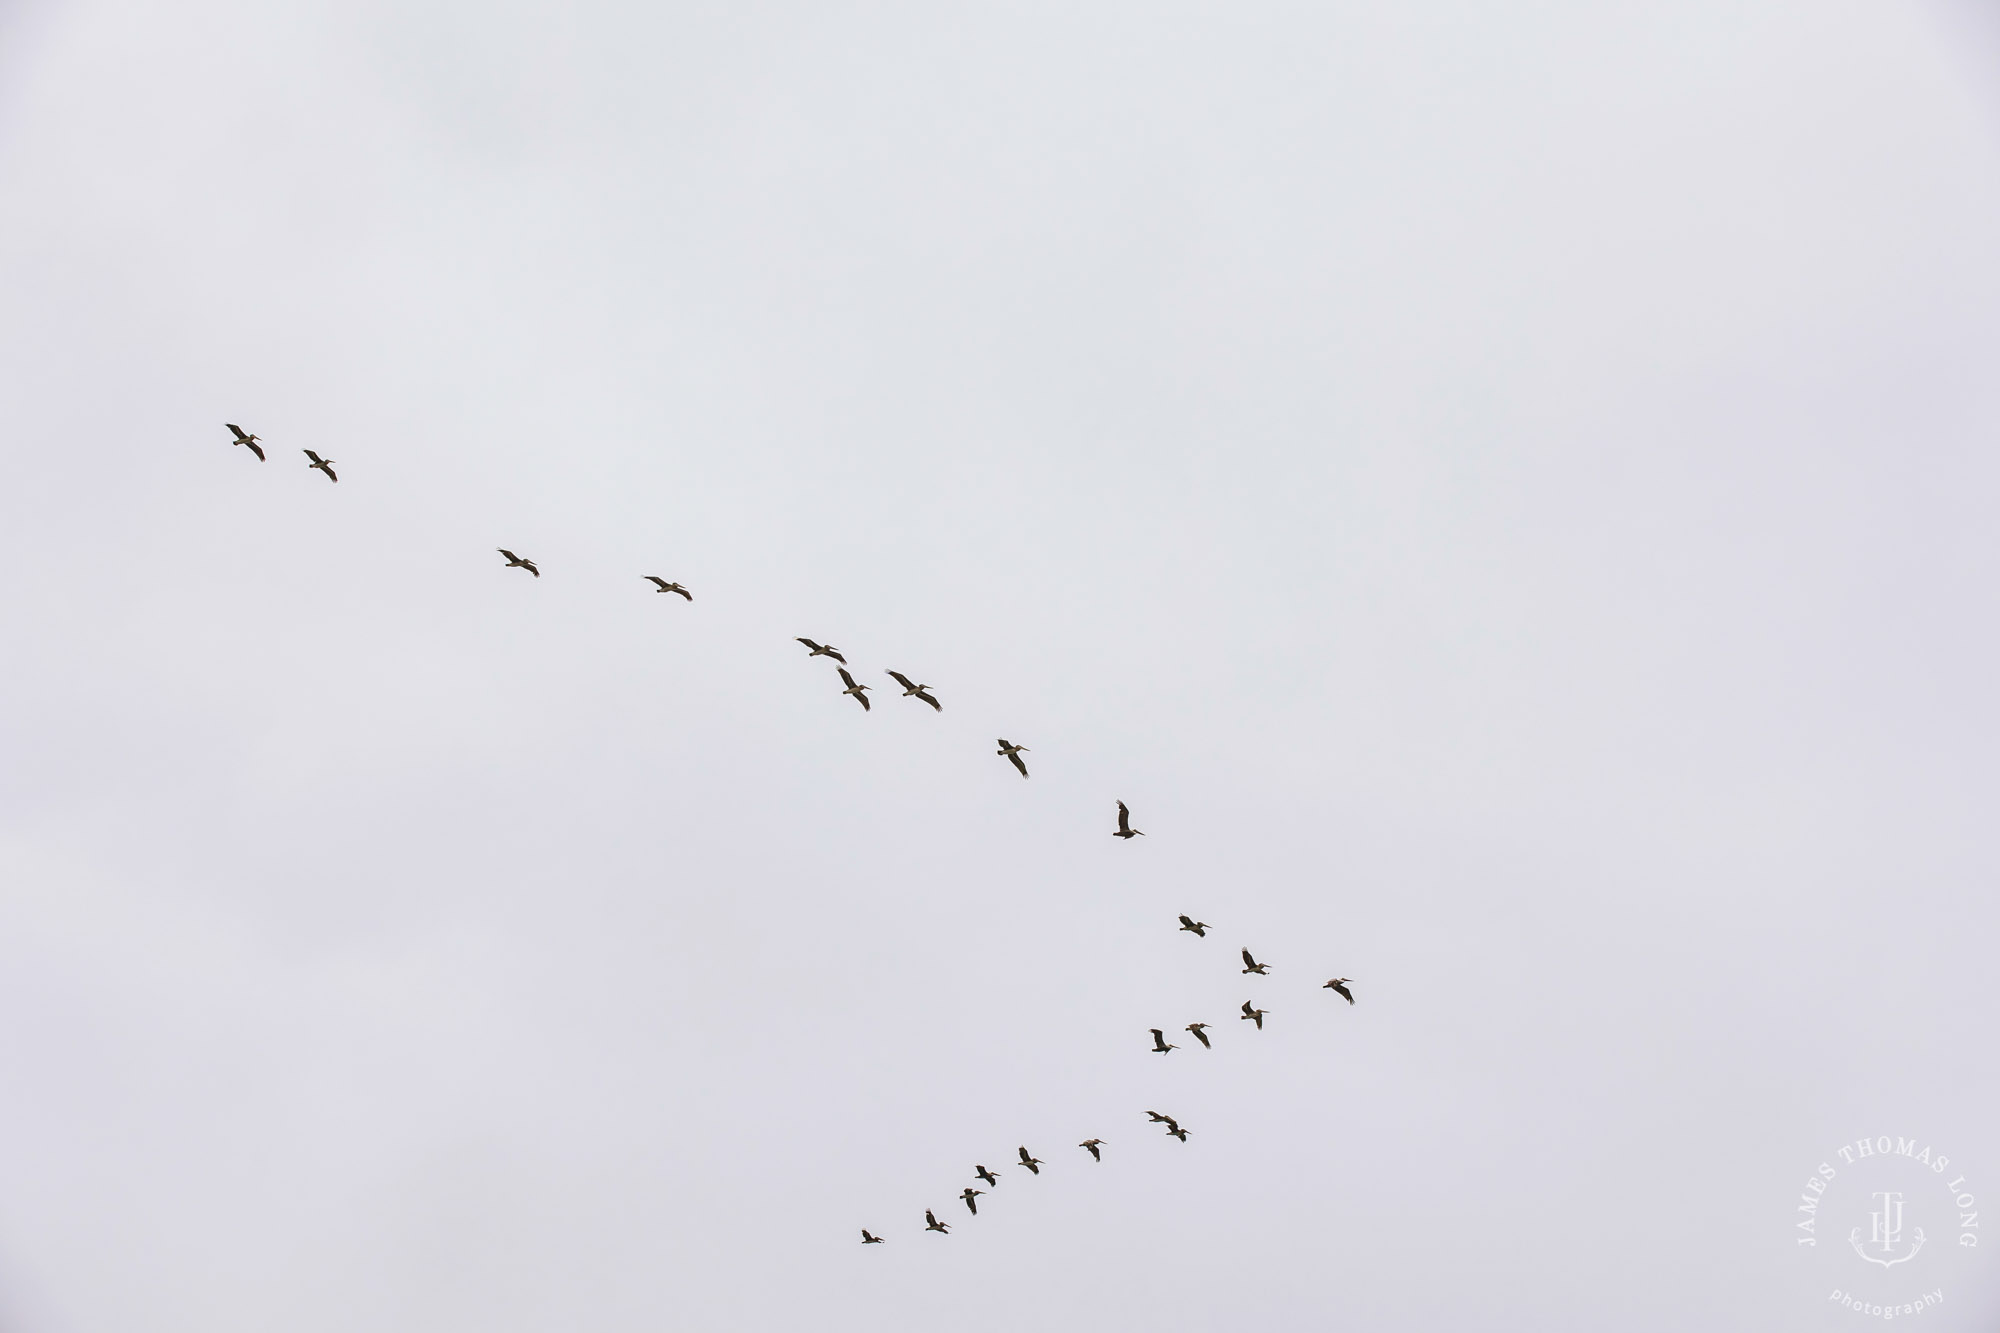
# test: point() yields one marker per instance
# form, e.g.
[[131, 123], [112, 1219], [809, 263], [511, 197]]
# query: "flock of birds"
[[1012, 754]]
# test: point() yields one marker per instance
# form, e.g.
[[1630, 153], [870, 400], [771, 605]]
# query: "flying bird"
[[1199, 1035], [824, 650], [1159, 1119], [516, 562], [913, 690], [867, 1239], [969, 1195], [669, 587], [1339, 987], [1033, 1164], [323, 464], [1125, 829], [1200, 928], [1176, 1131], [1252, 965], [245, 437], [1254, 1015], [1092, 1146], [986, 1175], [1160, 1042], [931, 1222], [1012, 753], [855, 690]]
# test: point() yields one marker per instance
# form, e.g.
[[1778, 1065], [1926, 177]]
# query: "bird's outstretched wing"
[[682, 591], [255, 448], [902, 680], [656, 579], [511, 557], [1248, 961], [239, 432], [1124, 818]]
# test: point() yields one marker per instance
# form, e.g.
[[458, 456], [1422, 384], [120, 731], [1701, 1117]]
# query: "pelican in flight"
[[1177, 1132], [932, 1224], [854, 690], [1254, 1015], [1091, 1146], [1200, 928], [516, 562], [1033, 1164], [1160, 1042], [1125, 829], [824, 650], [245, 437], [867, 1239], [1159, 1119], [323, 464], [1339, 987], [913, 690], [986, 1175], [1199, 1035], [1012, 754], [665, 586], [1252, 965], [969, 1195]]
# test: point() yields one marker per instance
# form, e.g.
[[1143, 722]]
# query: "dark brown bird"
[[1125, 829], [245, 437], [986, 1175], [867, 1239], [516, 562], [854, 689], [823, 650], [1033, 1164], [1012, 753], [669, 587], [932, 1224], [969, 1195], [1177, 1132], [1199, 1035], [913, 690], [1339, 987], [1200, 928], [1160, 1042], [1159, 1119], [1092, 1145], [323, 464], [1252, 965], [1254, 1015]]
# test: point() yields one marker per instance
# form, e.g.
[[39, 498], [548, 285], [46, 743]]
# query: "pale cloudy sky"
[[1505, 492]]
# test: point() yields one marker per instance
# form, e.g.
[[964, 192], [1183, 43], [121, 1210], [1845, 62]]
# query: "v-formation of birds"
[[1012, 754]]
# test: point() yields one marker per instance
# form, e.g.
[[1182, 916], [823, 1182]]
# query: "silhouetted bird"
[[1159, 1119], [1033, 1164], [913, 690], [1339, 987], [669, 587], [1012, 753], [1092, 1145], [969, 1195], [1160, 1042], [986, 1175], [516, 562], [1125, 829], [853, 688], [932, 1224], [323, 464], [1254, 1015], [867, 1239], [823, 650], [244, 437], [1199, 1035], [1252, 965], [1200, 928], [1177, 1132]]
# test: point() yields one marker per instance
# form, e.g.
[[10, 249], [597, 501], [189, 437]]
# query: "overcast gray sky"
[[1505, 492]]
